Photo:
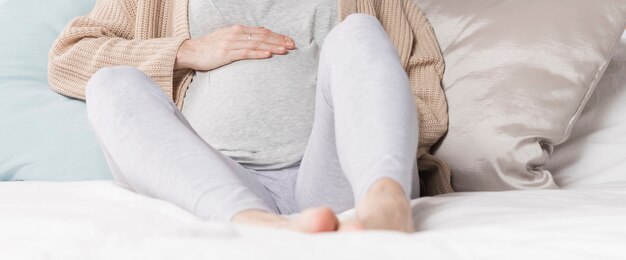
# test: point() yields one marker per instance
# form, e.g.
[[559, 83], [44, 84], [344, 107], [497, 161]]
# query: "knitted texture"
[[148, 33]]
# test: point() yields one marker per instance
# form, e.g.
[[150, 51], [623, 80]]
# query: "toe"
[[351, 226], [316, 220]]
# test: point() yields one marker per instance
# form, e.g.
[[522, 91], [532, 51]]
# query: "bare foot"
[[351, 225], [384, 207], [312, 220]]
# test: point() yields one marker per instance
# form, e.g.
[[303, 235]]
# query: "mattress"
[[100, 220]]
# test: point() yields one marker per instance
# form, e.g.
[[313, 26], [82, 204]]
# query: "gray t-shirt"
[[260, 112]]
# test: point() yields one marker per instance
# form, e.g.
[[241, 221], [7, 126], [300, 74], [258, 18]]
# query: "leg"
[[364, 139], [152, 149]]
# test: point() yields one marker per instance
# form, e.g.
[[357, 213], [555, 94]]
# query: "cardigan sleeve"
[[107, 37]]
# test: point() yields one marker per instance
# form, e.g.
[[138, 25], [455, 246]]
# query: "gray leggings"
[[365, 128]]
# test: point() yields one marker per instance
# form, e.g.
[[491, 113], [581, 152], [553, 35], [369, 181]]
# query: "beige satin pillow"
[[518, 74], [595, 154]]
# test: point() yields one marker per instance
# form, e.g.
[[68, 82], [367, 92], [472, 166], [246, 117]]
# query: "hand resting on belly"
[[231, 44]]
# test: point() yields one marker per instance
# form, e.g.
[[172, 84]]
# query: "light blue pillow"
[[43, 135]]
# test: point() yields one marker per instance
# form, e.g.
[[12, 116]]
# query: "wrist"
[[184, 55]]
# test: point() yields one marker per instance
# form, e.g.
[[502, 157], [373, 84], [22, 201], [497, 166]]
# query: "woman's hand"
[[231, 44]]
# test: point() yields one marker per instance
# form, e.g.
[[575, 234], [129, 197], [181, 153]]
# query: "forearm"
[[105, 38], [73, 61]]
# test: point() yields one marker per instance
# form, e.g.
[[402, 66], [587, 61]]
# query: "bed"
[[100, 220], [79, 212]]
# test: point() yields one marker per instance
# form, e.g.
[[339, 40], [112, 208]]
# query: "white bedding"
[[99, 220]]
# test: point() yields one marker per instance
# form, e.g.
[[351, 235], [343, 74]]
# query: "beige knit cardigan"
[[147, 34]]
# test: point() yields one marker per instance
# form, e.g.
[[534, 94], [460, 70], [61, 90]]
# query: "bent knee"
[[358, 35], [355, 27], [359, 19], [113, 80]]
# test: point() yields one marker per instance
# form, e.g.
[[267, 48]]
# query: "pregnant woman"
[[233, 110]]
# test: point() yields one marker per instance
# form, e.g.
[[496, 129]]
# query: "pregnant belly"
[[255, 104]]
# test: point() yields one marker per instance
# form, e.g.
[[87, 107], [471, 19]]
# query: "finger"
[[254, 29], [242, 32], [261, 34], [238, 31], [273, 38], [247, 54], [257, 46]]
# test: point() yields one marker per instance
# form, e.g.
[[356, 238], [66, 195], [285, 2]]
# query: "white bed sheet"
[[99, 220]]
